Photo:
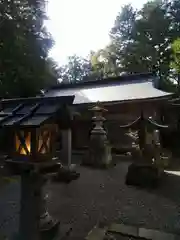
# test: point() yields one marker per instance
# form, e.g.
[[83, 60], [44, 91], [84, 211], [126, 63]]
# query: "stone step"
[[125, 232], [96, 234], [141, 233], [123, 229], [122, 237]]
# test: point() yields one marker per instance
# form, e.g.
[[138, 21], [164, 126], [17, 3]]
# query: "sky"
[[79, 26]]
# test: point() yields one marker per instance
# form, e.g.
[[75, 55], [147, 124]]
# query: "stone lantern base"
[[145, 176], [98, 154]]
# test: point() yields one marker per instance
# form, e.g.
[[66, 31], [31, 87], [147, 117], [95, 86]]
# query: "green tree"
[[77, 69], [175, 64], [24, 46], [121, 36], [122, 30], [141, 41], [105, 62]]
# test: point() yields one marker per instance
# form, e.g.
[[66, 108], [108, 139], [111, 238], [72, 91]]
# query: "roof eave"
[[107, 103]]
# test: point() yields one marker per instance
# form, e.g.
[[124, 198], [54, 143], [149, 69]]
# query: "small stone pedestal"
[[99, 153], [142, 175], [65, 175], [47, 222]]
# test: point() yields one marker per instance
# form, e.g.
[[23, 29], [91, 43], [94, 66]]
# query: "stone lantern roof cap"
[[98, 108]]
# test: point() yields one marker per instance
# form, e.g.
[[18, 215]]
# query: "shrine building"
[[124, 97]]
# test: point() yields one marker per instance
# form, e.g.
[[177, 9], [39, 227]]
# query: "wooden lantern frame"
[[31, 125], [34, 144]]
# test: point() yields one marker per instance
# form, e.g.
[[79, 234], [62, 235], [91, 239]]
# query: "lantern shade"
[[44, 141], [34, 144], [32, 127], [23, 142]]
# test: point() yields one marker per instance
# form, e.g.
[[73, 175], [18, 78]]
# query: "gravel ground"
[[100, 196], [9, 208]]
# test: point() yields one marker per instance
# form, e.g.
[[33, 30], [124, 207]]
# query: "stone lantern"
[[31, 129], [98, 121], [99, 149]]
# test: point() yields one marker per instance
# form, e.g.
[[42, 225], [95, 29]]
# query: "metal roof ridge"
[[103, 81]]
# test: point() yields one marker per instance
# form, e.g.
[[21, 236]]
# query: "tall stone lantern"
[[99, 154], [98, 120]]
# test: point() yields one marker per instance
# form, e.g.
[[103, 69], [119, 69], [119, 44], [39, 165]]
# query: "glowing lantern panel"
[[23, 142], [34, 143], [44, 138]]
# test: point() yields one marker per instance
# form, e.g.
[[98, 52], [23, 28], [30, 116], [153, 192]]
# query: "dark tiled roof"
[[31, 111]]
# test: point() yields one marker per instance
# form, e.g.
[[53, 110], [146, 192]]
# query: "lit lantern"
[[35, 144], [33, 125], [30, 126]]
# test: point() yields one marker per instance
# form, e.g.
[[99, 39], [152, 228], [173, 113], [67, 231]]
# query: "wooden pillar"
[[66, 146]]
